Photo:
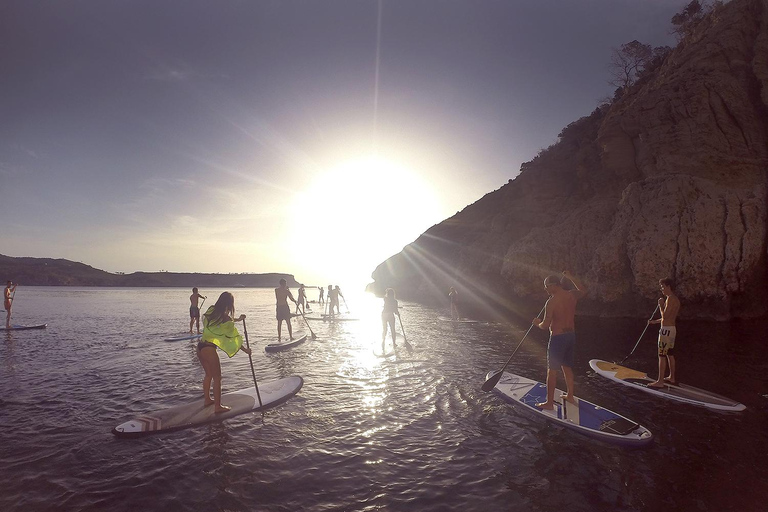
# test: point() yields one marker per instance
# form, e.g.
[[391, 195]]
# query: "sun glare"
[[352, 217]]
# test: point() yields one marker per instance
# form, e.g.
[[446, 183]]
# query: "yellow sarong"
[[223, 335]]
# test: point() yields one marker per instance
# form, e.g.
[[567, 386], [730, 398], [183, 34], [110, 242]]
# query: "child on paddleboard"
[[669, 308], [219, 331], [388, 316]]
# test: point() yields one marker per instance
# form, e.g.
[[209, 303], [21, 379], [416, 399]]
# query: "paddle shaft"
[[250, 359], [492, 381], [641, 336], [308, 327], [402, 327]]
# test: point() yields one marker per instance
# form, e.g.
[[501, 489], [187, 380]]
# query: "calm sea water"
[[409, 432]]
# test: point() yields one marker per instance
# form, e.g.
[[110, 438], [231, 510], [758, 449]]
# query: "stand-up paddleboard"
[[460, 321], [680, 392], [23, 327], [326, 318], [272, 393], [582, 416], [276, 347], [184, 337]]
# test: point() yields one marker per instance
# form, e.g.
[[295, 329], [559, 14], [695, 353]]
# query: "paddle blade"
[[491, 381]]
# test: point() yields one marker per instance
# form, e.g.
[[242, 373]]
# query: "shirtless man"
[[10, 290], [669, 308], [283, 310], [559, 315], [194, 310], [331, 299]]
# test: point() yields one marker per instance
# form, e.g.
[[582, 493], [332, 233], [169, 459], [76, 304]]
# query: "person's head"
[[8, 283], [223, 309], [389, 293], [330, 287], [194, 290], [301, 285], [283, 282], [552, 283], [452, 290], [667, 286], [337, 287]]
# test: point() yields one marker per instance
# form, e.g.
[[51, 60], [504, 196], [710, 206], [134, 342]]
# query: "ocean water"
[[409, 432]]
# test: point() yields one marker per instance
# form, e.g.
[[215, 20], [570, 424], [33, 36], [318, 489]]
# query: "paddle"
[[250, 359], [491, 382], [641, 336], [345, 303], [402, 327], [308, 327]]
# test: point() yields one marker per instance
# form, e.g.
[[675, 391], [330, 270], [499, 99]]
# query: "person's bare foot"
[[208, 403], [569, 398], [222, 408], [546, 405], [668, 380], [655, 385]]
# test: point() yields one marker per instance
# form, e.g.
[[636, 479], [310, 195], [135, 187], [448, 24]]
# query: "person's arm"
[[544, 324], [580, 290], [290, 296]]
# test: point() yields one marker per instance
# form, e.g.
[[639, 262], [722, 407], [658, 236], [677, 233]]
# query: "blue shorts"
[[560, 350]]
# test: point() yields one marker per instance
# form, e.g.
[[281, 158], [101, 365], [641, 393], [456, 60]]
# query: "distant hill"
[[61, 272]]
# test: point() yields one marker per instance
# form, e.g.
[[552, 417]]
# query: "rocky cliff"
[[668, 181]]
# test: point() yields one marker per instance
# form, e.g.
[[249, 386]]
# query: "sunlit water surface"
[[408, 432]]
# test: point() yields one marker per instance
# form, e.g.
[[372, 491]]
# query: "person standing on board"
[[330, 299], [10, 290], [338, 294], [283, 310], [559, 313], [388, 316], [454, 296], [194, 310], [667, 333], [321, 300], [302, 300], [219, 331]]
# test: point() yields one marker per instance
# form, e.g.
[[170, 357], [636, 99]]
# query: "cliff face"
[[669, 181]]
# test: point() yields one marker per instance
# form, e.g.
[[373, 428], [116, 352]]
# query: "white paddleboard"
[[276, 347], [459, 321], [334, 319], [582, 416], [23, 327], [679, 392], [272, 393], [184, 337]]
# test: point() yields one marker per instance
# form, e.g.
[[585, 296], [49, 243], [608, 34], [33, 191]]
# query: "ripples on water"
[[408, 432]]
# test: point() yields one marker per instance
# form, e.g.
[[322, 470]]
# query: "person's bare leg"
[[206, 362], [671, 379], [279, 330], [551, 384], [659, 383], [568, 373]]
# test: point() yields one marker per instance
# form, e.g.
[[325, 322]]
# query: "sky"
[[310, 137]]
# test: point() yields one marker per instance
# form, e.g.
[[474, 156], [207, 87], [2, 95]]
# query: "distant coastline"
[[60, 272]]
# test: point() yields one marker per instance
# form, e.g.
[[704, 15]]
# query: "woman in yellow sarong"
[[219, 331]]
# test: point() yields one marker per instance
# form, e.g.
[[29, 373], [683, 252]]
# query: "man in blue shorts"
[[559, 314]]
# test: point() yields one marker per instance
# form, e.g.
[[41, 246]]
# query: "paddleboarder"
[[194, 310], [219, 331], [10, 291], [321, 300], [332, 298], [559, 313], [669, 305], [302, 300], [283, 310], [454, 296], [338, 293], [388, 316]]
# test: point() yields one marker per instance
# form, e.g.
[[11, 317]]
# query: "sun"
[[352, 217]]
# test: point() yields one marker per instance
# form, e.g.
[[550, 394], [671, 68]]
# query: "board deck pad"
[[184, 337], [23, 327], [679, 392], [272, 393], [582, 416], [276, 347]]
